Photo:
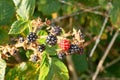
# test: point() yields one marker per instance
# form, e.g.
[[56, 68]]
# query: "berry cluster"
[[41, 47], [34, 58], [54, 37], [56, 30], [68, 48], [32, 37], [73, 49], [21, 39], [51, 39], [61, 55]]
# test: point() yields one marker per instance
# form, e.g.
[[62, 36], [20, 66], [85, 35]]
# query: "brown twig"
[[90, 10], [98, 39], [112, 62], [105, 55], [71, 67], [108, 78]]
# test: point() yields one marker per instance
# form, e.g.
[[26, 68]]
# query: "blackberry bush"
[[41, 48]]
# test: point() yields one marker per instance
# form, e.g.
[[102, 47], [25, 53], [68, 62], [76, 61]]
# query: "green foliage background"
[[15, 16]]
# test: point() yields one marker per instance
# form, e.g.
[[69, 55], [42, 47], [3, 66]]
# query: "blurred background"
[[98, 20]]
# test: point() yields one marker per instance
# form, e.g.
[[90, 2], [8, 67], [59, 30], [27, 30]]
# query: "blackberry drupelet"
[[51, 39], [73, 49], [41, 47], [56, 30], [61, 55], [32, 37]]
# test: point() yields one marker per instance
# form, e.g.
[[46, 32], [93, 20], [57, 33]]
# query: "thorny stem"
[[105, 55]]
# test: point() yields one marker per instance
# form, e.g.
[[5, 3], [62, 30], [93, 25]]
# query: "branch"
[[105, 55], [90, 10], [71, 67], [98, 39], [108, 78], [112, 62]]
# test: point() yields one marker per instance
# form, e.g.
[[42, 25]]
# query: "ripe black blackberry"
[[51, 39], [34, 58], [32, 37], [73, 49], [21, 39], [41, 47], [82, 36], [56, 30], [61, 55]]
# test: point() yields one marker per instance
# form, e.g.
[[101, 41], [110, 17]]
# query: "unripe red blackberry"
[[32, 37], [41, 47], [73, 49], [56, 30], [51, 39], [64, 44]]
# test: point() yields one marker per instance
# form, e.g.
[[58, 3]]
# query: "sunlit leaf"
[[53, 69], [115, 13], [18, 27], [25, 8], [2, 69]]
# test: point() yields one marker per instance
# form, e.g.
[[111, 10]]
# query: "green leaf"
[[25, 8], [115, 13], [2, 69], [4, 38], [28, 53], [58, 71], [80, 62], [48, 6], [51, 50], [18, 27], [53, 69], [23, 71], [44, 68], [6, 11], [42, 33], [42, 41], [103, 3]]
